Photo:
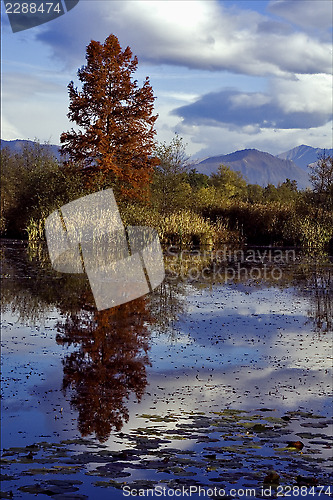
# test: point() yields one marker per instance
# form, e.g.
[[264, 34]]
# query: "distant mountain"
[[17, 145], [304, 155], [257, 167]]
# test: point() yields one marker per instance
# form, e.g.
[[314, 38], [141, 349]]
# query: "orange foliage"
[[109, 365], [115, 116]]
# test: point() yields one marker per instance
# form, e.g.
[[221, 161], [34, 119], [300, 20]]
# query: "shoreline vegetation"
[[154, 184], [188, 209]]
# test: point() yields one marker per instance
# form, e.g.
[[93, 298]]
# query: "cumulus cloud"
[[290, 104], [305, 93], [188, 47], [195, 34]]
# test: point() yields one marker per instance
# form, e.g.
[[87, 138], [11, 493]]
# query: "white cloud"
[[305, 13], [302, 102], [22, 87], [9, 131], [205, 140], [249, 100], [194, 34], [179, 96], [306, 93], [295, 53], [189, 48], [33, 108], [34, 105]]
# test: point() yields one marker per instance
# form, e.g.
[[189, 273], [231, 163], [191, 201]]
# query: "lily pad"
[[107, 484], [57, 469], [48, 489]]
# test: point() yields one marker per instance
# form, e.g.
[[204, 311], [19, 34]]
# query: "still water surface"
[[204, 383]]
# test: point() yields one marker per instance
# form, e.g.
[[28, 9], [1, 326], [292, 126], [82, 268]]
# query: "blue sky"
[[227, 75]]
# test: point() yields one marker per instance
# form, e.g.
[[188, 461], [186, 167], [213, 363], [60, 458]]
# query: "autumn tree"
[[114, 116]]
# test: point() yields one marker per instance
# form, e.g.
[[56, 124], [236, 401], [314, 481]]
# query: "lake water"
[[202, 388]]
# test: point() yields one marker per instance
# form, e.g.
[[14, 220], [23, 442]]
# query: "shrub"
[[183, 227], [33, 184]]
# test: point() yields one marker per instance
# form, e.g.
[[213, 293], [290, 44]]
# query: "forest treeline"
[[113, 146], [186, 207]]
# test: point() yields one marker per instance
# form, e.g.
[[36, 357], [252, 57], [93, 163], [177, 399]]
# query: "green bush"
[[33, 184]]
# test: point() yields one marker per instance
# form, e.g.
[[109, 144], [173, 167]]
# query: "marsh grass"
[[35, 229], [276, 223], [313, 235], [182, 227], [257, 223], [233, 224]]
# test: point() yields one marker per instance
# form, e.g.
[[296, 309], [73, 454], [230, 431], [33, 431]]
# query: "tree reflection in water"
[[109, 363], [108, 366]]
